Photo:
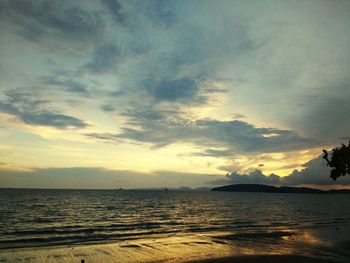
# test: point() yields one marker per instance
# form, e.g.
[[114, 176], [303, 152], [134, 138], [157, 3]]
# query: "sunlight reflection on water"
[[53, 217]]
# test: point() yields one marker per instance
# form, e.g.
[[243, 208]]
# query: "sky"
[[133, 94]]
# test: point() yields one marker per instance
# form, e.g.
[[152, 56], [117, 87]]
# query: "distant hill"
[[182, 188], [202, 189], [272, 189]]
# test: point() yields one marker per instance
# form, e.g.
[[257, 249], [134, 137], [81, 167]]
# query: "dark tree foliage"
[[339, 161]]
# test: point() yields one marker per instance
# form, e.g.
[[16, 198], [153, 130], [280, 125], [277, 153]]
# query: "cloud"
[[173, 72], [141, 115], [116, 10], [255, 177], [97, 178], [234, 136], [32, 112], [169, 56], [65, 84], [104, 137], [238, 116], [316, 172], [107, 108], [212, 153], [183, 90], [72, 177], [53, 22], [161, 13], [328, 116], [103, 59], [161, 128]]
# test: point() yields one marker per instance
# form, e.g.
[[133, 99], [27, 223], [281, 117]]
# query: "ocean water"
[[35, 217]]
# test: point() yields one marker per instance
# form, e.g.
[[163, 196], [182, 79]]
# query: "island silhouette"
[[261, 188]]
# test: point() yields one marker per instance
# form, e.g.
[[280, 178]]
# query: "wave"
[[73, 239], [39, 218]]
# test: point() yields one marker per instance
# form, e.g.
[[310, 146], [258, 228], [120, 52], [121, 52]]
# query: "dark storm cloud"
[[65, 84], [161, 12], [183, 89], [116, 10], [235, 135], [140, 115], [175, 56], [239, 49], [161, 128], [103, 59], [316, 172], [327, 117], [33, 112], [52, 21]]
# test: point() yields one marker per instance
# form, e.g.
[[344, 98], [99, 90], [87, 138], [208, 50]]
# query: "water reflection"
[[188, 247], [199, 223]]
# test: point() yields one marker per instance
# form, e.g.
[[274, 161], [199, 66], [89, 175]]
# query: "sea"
[[51, 217]]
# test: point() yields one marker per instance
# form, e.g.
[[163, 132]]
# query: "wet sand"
[[265, 259], [170, 249], [327, 244]]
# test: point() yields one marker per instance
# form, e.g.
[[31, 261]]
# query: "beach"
[[306, 245]]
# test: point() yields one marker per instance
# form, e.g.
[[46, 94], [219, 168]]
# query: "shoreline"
[[265, 259], [240, 232], [306, 245]]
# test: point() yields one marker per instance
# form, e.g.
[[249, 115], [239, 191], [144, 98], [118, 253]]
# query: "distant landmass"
[[273, 189], [182, 188]]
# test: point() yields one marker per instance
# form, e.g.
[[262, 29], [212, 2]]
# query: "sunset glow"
[[194, 89]]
